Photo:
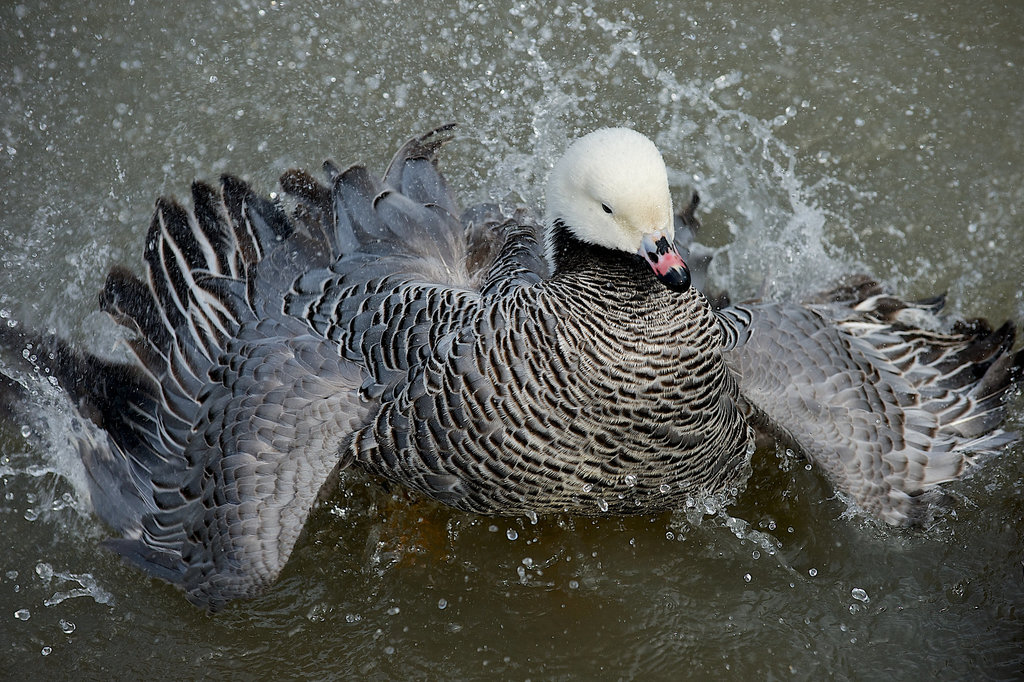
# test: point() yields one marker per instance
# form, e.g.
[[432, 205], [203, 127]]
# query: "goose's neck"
[[616, 274], [611, 300]]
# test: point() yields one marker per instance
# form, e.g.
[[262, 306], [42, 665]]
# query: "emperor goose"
[[487, 363]]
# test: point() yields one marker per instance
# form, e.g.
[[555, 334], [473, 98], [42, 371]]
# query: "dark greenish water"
[[824, 138]]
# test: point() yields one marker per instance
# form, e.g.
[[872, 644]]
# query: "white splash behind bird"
[[373, 324]]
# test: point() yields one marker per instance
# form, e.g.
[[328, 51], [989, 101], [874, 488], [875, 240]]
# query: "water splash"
[[756, 195], [87, 586], [52, 427]]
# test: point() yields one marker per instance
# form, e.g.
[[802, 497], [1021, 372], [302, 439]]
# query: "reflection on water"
[[822, 138]]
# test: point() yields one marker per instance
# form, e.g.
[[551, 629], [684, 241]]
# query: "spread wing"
[[238, 418], [886, 408], [262, 339]]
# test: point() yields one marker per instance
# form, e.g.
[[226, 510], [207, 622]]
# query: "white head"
[[610, 188]]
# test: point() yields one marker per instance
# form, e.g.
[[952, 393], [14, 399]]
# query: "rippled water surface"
[[824, 137]]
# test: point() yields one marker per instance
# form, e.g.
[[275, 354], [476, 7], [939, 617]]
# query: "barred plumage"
[[374, 325]]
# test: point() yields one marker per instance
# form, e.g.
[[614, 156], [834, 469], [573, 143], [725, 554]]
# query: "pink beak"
[[665, 260]]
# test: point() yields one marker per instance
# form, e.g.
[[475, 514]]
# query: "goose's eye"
[[606, 208]]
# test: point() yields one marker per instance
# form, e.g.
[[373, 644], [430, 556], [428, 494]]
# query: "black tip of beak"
[[665, 261], [676, 278]]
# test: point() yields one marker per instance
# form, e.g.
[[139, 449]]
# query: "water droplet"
[[574, 584], [44, 571], [31, 514], [394, 611], [755, 554], [389, 650], [66, 626], [812, 572], [860, 595], [602, 504], [747, 578], [22, 614], [492, 528], [630, 480], [511, 534], [669, 535], [532, 515], [26, 431], [665, 488], [46, 651], [442, 603]]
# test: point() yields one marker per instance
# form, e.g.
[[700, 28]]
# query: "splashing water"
[[87, 586], [780, 234]]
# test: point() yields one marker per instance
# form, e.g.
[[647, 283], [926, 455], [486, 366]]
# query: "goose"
[[489, 362]]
